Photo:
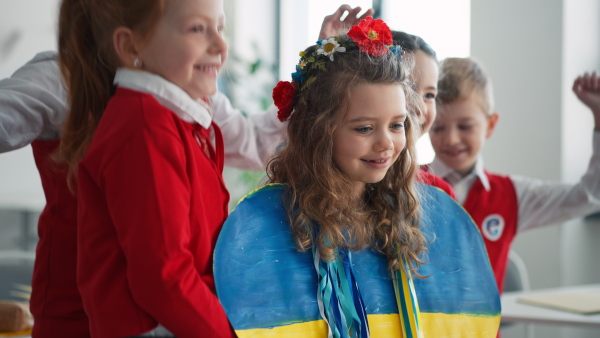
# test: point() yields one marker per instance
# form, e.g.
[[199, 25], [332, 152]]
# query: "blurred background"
[[532, 49]]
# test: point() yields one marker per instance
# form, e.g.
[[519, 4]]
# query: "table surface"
[[515, 311]]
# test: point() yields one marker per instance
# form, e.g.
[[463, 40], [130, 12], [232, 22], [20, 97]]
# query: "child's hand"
[[332, 23], [587, 89]]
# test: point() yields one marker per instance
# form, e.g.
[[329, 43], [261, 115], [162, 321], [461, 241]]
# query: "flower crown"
[[371, 36]]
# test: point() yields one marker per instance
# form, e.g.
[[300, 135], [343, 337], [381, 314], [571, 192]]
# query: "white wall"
[[582, 51], [31, 26], [579, 238], [533, 50], [524, 59]]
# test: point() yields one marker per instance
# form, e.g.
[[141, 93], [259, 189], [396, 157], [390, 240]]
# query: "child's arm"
[[544, 203], [249, 141], [33, 103], [332, 23], [587, 89]]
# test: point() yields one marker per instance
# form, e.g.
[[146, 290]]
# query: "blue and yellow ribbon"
[[339, 299], [408, 306]]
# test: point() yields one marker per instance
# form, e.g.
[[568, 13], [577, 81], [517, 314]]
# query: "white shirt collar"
[[167, 93], [440, 169]]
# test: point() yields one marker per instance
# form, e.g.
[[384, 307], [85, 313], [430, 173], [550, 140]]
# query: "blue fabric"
[[340, 298]]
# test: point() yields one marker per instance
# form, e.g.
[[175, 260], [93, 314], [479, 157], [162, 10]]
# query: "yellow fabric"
[[433, 325]]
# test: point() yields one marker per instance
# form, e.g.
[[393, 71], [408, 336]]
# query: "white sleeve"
[[545, 203], [33, 103], [249, 140]]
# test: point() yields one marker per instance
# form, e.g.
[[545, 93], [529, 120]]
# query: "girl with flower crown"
[[335, 245], [350, 157], [351, 111]]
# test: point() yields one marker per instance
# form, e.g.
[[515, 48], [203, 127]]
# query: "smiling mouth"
[[207, 68], [454, 153], [379, 163]]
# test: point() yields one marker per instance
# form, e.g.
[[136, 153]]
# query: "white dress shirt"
[[540, 202]]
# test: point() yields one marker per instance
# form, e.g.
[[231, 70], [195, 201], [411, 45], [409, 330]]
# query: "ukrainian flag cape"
[[268, 289]]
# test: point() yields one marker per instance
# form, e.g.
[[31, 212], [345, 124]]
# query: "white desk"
[[514, 311]]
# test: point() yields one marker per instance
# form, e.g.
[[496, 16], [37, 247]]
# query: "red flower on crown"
[[284, 94], [371, 36]]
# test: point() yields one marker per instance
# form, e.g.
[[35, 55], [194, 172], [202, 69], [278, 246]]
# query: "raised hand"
[[587, 89], [332, 24]]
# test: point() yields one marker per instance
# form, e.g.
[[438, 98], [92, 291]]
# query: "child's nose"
[[451, 136], [218, 45], [384, 142]]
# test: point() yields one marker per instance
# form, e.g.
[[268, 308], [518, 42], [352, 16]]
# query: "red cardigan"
[[151, 205], [55, 303]]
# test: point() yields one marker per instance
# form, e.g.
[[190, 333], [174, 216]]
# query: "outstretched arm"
[[332, 24], [33, 103], [587, 89], [544, 202], [249, 141]]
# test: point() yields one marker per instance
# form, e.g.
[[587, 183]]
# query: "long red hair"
[[88, 63]]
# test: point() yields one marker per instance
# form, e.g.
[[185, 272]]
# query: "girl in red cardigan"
[[151, 195]]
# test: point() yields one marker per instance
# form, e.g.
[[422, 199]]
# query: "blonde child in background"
[[502, 206]]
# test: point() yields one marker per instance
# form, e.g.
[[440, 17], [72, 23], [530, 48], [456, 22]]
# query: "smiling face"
[[459, 133], [187, 46], [425, 76], [372, 135]]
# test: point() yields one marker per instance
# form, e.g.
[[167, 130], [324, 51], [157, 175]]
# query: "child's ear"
[[492, 121], [125, 47]]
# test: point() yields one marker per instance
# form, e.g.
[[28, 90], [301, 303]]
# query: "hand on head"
[[587, 89], [332, 24]]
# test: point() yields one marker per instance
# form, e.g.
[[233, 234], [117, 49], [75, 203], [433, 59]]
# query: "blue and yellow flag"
[[268, 289]]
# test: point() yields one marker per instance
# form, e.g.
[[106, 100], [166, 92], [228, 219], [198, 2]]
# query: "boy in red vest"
[[502, 206]]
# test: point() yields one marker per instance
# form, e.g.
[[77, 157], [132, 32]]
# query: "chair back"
[[516, 278]]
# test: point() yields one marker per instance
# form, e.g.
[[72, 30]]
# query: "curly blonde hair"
[[321, 211]]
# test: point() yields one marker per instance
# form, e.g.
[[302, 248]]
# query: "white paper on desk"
[[580, 302]]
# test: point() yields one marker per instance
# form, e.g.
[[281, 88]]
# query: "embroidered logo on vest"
[[492, 227]]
